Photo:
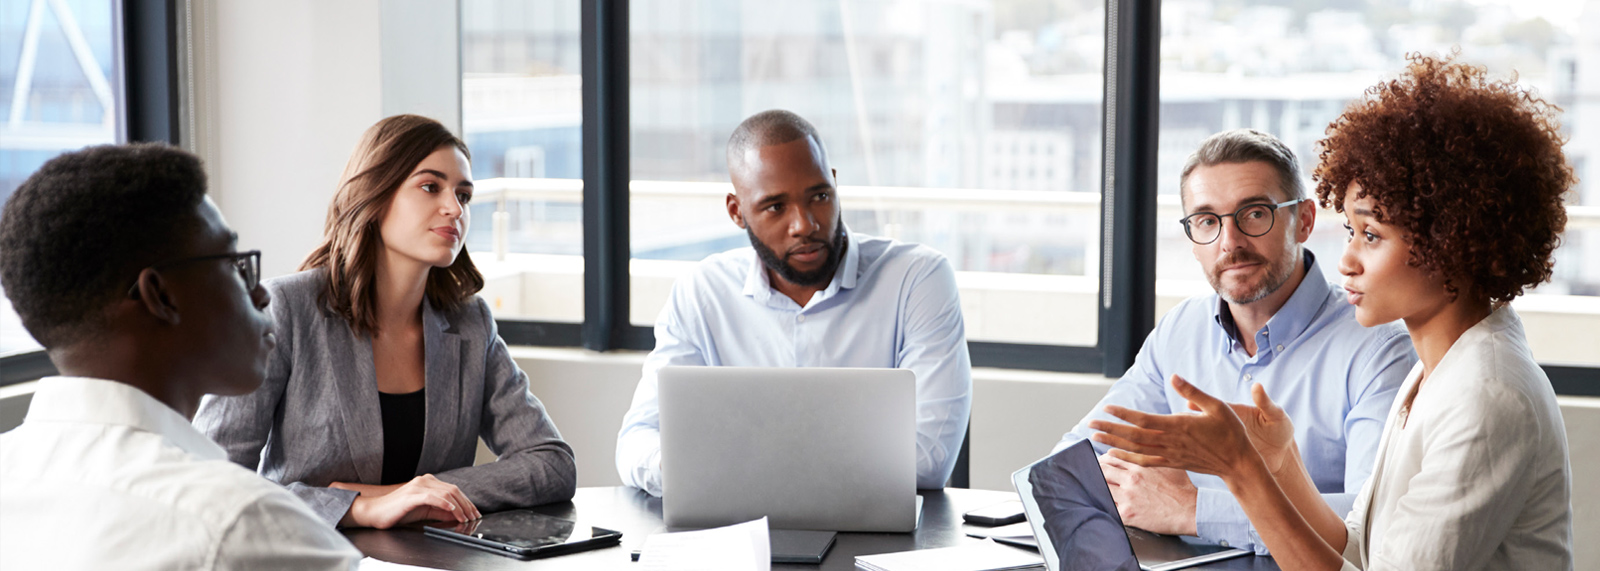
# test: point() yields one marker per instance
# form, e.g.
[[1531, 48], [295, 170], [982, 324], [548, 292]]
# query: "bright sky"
[[1561, 13]]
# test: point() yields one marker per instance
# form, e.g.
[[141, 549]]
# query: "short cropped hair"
[[771, 127], [1244, 146], [75, 235], [1471, 168]]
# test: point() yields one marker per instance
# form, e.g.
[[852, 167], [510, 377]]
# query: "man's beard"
[[1278, 273], [813, 278]]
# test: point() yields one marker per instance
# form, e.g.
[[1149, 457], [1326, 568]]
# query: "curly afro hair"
[[1471, 168], [74, 236]]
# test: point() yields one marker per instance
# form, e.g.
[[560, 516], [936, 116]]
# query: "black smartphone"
[[1003, 513], [524, 534]]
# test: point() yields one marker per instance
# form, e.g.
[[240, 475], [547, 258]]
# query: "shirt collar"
[[1296, 314], [85, 400], [758, 286]]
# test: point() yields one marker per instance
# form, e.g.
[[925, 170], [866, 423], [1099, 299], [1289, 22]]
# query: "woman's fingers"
[[1140, 419], [1119, 442], [1145, 460], [1195, 396], [1258, 393]]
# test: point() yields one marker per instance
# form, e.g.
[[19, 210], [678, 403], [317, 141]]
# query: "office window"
[[522, 116], [971, 127], [1290, 68], [59, 91]]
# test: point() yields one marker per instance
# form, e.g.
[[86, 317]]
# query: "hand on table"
[[1161, 500], [424, 498]]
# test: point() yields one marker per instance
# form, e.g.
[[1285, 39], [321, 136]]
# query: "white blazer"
[[1475, 474]]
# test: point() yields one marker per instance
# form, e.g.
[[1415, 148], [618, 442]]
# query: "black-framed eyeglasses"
[[1252, 219], [248, 264]]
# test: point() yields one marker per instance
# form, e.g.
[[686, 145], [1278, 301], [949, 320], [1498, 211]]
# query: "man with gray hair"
[[1274, 321]]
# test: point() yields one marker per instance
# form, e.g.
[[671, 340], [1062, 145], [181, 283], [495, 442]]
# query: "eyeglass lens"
[[1253, 220]]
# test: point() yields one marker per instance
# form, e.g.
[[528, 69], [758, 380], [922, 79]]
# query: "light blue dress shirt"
[[1335, 379], [890, 305]]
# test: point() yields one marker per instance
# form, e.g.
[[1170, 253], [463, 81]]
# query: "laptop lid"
[[1072, 514], [808, 448], [1076, 525]]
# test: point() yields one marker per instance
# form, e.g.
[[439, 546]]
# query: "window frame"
[[1126, 302]]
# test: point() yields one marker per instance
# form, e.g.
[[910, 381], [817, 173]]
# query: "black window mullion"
[[1128, 195], [150, 69], [605, 174]]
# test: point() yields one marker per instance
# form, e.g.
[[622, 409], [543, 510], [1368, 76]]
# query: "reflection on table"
[[638, 515]]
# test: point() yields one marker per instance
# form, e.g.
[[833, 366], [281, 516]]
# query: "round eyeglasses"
[[1253, 220]]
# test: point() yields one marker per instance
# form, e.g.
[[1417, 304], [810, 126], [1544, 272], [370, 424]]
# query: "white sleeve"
[[639, 442], [277, 531]]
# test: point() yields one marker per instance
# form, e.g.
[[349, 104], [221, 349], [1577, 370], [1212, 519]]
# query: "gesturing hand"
[[423, 498], [1215, 441], [1269, 427]]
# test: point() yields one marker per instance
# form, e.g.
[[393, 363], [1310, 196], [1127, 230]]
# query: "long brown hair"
[[351, 243]]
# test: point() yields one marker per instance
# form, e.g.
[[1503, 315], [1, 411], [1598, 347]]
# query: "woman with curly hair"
[[1452, 187]]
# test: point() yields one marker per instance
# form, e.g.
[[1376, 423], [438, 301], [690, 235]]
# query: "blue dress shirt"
[[1335, 379], [890, 305]]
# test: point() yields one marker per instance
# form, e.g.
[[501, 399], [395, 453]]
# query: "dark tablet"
[[524, 534]]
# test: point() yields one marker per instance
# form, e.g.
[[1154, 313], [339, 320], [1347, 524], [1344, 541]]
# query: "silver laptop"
[[1076, 526], [808, 448]]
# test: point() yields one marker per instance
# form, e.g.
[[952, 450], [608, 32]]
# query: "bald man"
[[808, 292]]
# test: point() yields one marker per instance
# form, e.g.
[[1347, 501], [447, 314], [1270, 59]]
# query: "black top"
[[403, 416]]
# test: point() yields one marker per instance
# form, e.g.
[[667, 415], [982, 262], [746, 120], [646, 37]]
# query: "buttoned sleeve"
[[1372, 390], [639, 441], [534, 465], [277, 532], [934, 346], [242, 424]]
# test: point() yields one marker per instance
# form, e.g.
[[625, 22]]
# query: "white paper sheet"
[[981, 556], [741, 547], [370, 564]]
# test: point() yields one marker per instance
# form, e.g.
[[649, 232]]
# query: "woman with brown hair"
[[388, 366], [1452, 187]]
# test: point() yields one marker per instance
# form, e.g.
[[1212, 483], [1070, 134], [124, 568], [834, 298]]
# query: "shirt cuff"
[[1219, 519]]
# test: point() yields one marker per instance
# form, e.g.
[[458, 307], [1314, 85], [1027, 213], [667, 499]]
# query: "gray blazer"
[[316, 419]]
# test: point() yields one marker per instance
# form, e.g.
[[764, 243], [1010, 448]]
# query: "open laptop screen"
[[1072, 514]]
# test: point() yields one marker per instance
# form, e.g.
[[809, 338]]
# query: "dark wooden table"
[[637, 515]]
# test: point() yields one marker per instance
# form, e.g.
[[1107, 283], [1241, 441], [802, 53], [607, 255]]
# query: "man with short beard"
[[808, 293], [1274, 321]]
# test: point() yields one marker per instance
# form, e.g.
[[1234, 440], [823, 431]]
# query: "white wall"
[[283, 91]]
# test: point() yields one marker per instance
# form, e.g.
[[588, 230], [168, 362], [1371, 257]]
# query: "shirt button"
[[1223, 543], [801, 319], [1280, 348], [1247, 376]]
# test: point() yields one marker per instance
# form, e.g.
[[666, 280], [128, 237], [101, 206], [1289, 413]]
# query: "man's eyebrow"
[[769, 199], [1257, 199], [819, 186]]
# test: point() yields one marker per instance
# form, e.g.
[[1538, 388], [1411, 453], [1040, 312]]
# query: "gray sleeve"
[[535, 466]]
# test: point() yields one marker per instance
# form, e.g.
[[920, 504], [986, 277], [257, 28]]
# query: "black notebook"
[[800, 546]]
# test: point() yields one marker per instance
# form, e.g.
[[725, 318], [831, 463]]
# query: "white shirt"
[[890, 305], [1475, 474], [103, 476]]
